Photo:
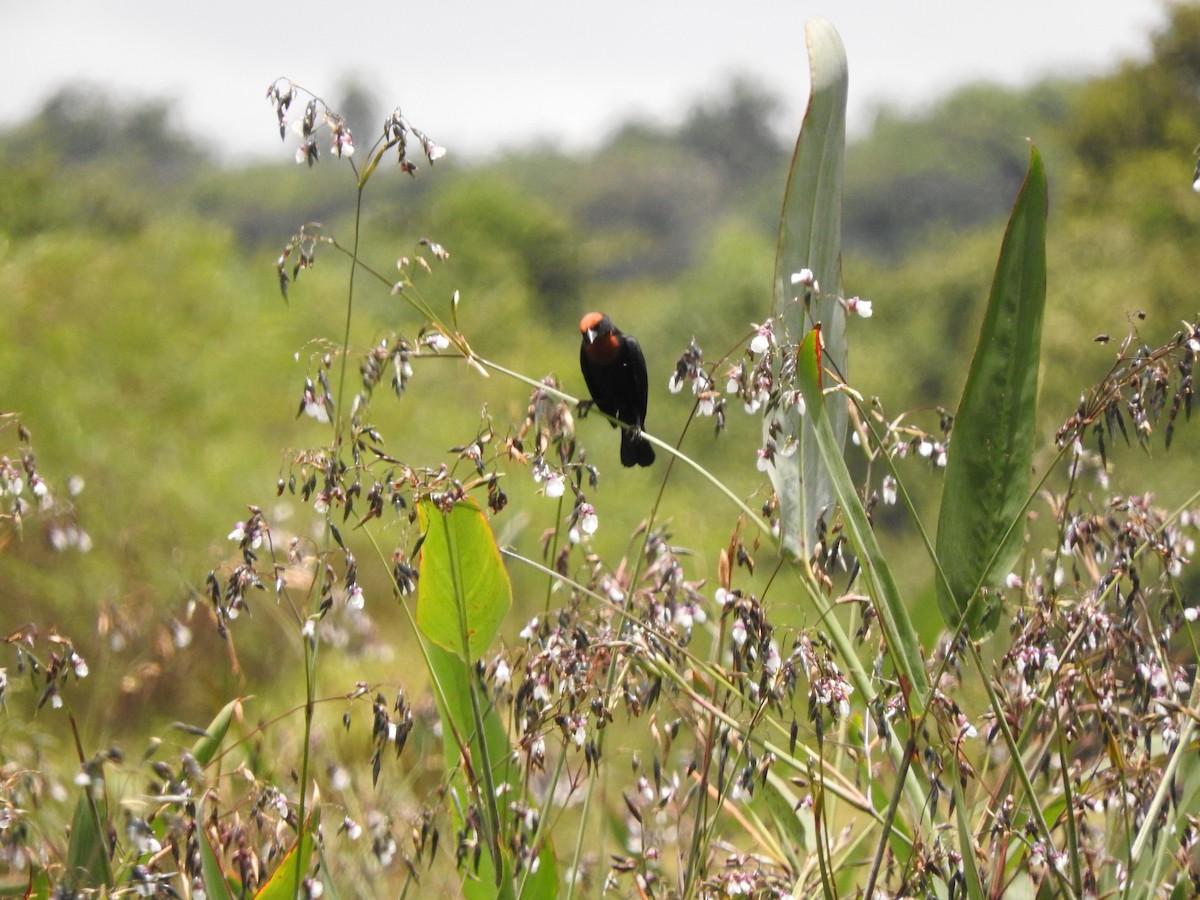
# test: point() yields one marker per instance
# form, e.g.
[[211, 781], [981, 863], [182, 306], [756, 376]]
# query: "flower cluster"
[[24, 493], [1144, 386], [317, 116]]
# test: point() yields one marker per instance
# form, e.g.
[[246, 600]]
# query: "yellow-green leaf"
[[463, 591]]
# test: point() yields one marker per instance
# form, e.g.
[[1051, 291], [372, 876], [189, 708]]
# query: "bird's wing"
[[641, 383]]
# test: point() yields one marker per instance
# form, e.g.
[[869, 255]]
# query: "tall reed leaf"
[[810, 229], [987, 475]]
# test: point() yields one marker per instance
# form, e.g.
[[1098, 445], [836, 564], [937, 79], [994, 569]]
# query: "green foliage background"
[[144, 344]]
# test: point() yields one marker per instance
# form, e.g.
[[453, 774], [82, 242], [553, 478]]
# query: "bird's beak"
[[591, 335]]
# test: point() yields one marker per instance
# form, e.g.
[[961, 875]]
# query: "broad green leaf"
[[216, 887], [991, 455], [463, 591], [463, 595], [810, 228], [207, 746], [282, 883], [453, 677]]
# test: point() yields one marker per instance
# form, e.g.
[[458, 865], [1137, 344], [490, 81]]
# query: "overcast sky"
[[478, 75]]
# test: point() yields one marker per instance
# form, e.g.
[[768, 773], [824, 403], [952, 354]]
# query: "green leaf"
[[903, 645], [87, 852], [793, 823], [282, 883], [216, 887], [453, 677], [991, 456], [463, 595], [463, 591], [966, 843], [207, 746], [810, 229]]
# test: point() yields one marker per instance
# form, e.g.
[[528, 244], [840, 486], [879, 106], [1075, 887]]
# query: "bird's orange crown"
[[600, 340], [590, 322]]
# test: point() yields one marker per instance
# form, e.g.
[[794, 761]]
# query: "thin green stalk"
[[1068, 797], [543, 818], [310, 649]]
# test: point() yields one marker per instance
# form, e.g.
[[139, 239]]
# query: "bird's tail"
[[635, 449]]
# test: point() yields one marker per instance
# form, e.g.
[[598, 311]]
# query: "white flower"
[[889, 490], [502, 674], [355, 599], [772, 661], [433, 152], [738, 632], [556, 485], [437, 340], [58, 538], [588, 520], [860, 306], [761, 342], [315, 409], [343, 144], [806, 278]]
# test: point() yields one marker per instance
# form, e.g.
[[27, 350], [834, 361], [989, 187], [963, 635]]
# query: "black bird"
[[615, 372]]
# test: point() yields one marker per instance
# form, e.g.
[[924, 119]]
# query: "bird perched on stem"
[[615, 372]]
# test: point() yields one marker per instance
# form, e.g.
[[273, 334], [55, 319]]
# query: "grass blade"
[[903, 644]]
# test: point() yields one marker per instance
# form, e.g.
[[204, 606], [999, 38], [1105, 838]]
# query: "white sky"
[[482, 74]]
